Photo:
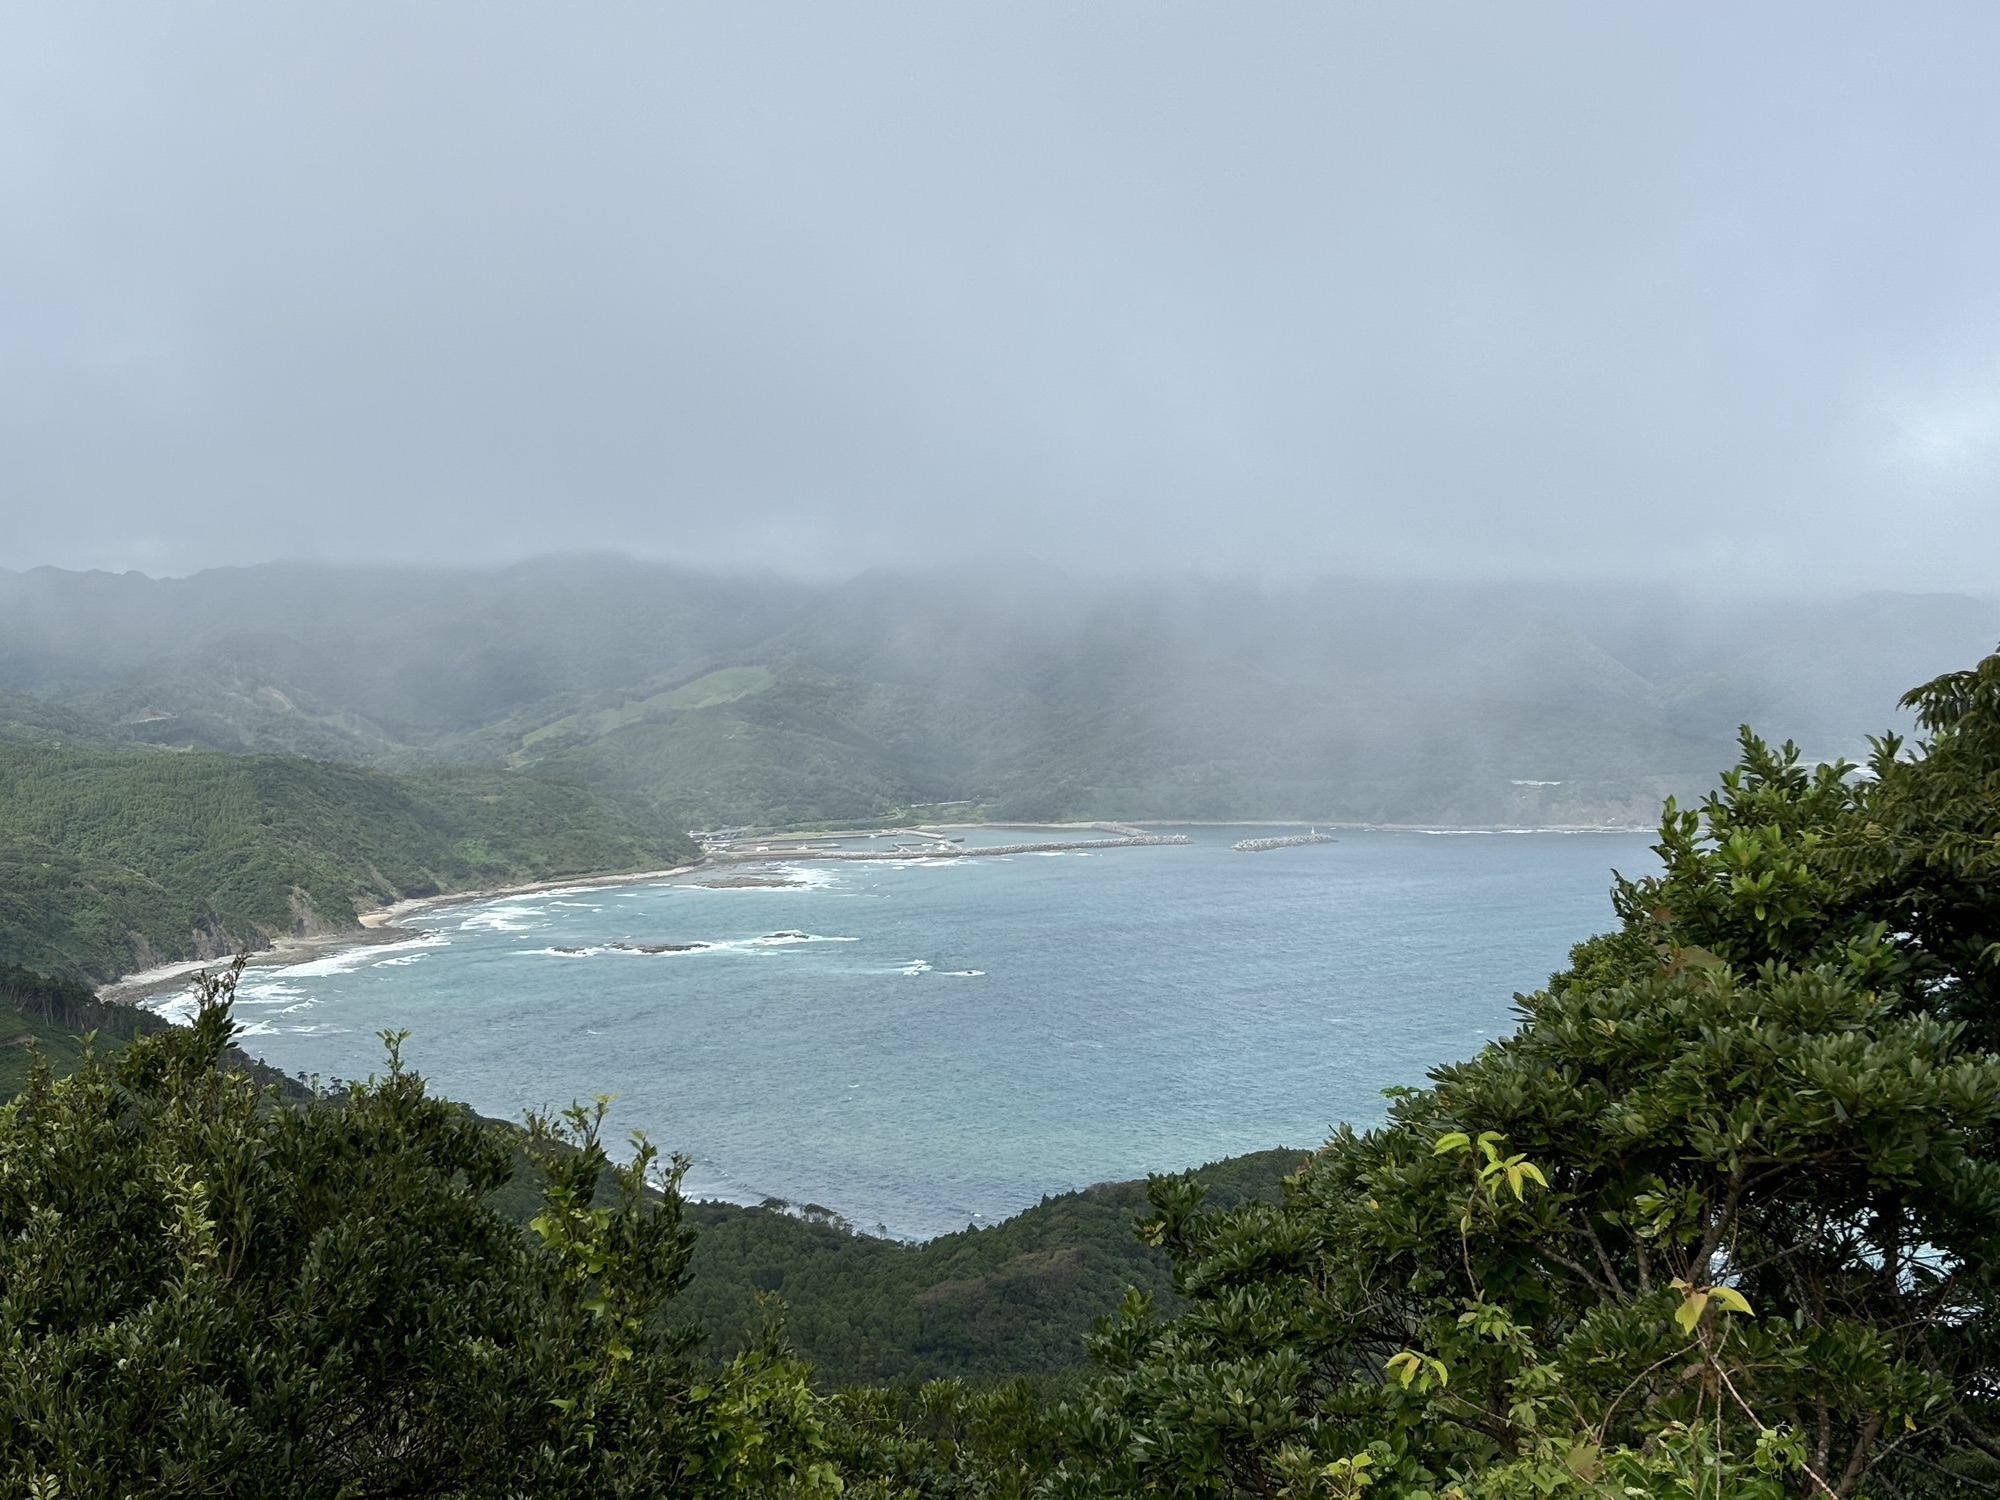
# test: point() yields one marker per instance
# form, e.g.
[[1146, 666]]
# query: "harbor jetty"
[[1258, 846]]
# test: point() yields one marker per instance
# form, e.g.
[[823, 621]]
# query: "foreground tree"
[[1719, 1218], [203, 1292]]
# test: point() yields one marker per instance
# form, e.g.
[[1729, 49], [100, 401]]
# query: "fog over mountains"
[[743, 699]]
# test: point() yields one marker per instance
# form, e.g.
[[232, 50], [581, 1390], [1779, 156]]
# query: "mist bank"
[[1004, 692]]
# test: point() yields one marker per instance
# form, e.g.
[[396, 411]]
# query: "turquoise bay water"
[[924, 1044]]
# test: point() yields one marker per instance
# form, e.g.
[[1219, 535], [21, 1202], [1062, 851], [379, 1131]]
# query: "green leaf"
[[1730, 1300]]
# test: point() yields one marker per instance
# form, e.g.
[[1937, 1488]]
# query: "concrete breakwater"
[[947, 851], [1258, 846]]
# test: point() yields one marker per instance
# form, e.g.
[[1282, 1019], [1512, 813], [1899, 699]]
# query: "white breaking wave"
[[179, 1008], [771, 940], [809, 877], [502, 919], [682, 950], [253, 990], [355, 958], [768, 878], [271, 992]]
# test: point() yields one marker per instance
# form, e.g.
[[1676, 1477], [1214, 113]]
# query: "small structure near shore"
[[1258, 846]]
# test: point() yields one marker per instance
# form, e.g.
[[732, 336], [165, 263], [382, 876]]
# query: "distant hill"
[[713, 700], [113, 860]]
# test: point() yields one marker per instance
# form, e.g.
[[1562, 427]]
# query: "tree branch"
[[1576, 1267], [1724, 1222], [1857, 1461], [1984, 1441], [1604, 1259]]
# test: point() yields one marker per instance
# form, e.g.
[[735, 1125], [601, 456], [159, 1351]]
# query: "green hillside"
[[1015, 1298], [251, 693], [801, 746], [111, 861], [51, 1018], [39, 1017], [29, 720]]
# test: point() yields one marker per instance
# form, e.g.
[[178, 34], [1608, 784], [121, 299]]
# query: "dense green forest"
[[111, 860], [728, 700], [1720, 1218], [1016, 1298], [53, 1021], [46, 1019]]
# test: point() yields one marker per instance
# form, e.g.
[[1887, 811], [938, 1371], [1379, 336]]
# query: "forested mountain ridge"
[[740, 699], [113, 860]]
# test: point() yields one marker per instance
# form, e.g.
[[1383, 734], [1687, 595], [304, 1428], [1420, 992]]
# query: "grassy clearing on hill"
[[711, 690]]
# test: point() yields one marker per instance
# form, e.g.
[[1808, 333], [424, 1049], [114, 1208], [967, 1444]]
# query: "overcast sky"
[[1710, 294]]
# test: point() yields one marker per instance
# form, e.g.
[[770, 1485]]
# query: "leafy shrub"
[[205, 1291]]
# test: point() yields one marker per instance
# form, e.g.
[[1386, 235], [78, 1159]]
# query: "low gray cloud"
[[1701, 293]]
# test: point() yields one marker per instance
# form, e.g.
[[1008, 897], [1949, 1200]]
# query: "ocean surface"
[[923, 1044]]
